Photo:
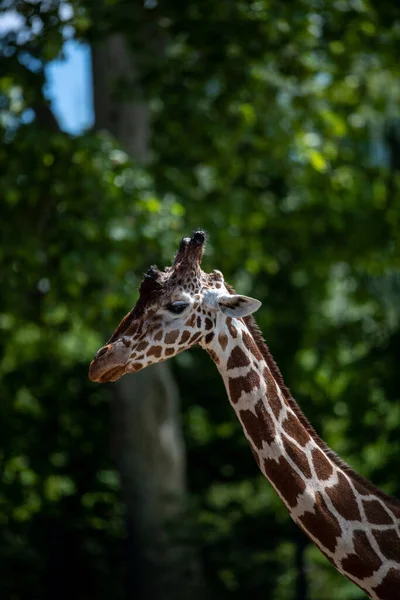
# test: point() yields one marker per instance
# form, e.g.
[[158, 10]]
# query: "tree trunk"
[[115, 75], [147, 439]]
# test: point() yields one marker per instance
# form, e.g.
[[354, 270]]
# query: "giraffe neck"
[[355, 525]]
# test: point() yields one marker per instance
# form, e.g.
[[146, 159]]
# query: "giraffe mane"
[[273, 367], [262, 346], [149, 288]]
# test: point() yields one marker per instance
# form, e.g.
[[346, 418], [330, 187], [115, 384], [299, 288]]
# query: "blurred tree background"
[[274, 126]]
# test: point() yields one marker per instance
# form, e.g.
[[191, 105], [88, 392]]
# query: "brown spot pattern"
[[237, 385], [209, 337], [154, 351], [258, 426], [158, 336], [195, 337], [251, 345], [213, 355], [322, 466], [141, 346], [389, 543], [390, 586], [272, 393], [184, 337], [364, 561], [169, 351], [297, 456], [208, 324], [198, 321], [231, 328], [190, 322], [322, 524], [375, 513], [343, 499], [288, 483], [172, 336], [237, 359], [295, 429], [223, 340], [361, 489]]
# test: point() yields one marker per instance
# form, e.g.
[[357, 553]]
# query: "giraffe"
[[353, 523]]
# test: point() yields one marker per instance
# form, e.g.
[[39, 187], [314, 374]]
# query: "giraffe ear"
[[238, 306]]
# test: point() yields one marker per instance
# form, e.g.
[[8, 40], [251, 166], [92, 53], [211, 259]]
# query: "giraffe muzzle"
[[106, 365]]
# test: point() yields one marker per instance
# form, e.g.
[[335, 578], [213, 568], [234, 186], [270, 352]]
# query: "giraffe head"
[[177, 308]]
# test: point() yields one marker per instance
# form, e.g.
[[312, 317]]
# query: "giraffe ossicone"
[[353, 523]]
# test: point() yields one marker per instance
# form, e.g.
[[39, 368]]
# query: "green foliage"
[[274, 127], [76, 214]]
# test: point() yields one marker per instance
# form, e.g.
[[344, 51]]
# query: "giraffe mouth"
[[113, 374], [103, 376]]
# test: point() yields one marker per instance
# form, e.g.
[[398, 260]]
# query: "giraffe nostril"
[[103, 351]]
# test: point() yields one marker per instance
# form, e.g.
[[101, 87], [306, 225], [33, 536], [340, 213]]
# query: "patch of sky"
[[68, 79], [69, 88]]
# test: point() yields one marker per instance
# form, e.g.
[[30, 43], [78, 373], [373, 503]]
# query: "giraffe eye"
[[177, 307]]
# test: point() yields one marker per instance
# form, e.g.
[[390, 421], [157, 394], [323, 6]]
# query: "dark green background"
[[275, 126]]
